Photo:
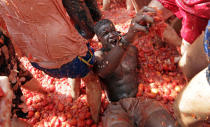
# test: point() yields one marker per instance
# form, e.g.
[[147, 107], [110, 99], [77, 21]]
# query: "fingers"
[[148, 9], [147, 18], [143, 19], [140, 28], [142, 23]]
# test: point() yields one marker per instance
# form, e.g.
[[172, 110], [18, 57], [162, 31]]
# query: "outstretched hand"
[[140, 23], [147, 9]]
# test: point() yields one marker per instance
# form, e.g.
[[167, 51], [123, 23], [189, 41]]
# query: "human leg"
[[75, 87], [139, 112], [192, 105], [93, 91], [116, 116], [148, 113], [194, 59]]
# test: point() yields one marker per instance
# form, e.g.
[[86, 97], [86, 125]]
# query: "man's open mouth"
[[113, 41]]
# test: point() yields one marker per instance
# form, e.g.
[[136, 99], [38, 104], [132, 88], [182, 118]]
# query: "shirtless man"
[[116, 62], [116, 65]]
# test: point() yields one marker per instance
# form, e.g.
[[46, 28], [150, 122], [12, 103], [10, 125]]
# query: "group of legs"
[[192, 104]]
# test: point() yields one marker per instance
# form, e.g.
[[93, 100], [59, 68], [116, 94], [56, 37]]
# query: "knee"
[[160, 118]]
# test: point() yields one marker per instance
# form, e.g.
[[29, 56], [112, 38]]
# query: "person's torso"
[[123, 82], [43, 31]]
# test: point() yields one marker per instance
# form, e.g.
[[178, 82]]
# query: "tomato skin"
[[57, 123], [30, 114], [82, 116], [94, 125], [37, 115], [154, 90], [60, 107], [51, 88], [89, 122], [1, 92], [177, 89], [140, 90], [87, 115], [80, 123], [167, 91], [150, 95], [73, 122], [170, 98]]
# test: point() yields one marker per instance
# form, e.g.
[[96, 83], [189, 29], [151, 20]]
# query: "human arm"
[[107, 62], [138, 24], [81, 16], [93, 8]]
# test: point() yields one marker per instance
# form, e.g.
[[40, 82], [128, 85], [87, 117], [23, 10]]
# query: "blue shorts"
[[207, 48], [77, 68]]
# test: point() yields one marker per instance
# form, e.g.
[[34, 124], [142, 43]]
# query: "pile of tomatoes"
[[159, 75], [159, 78], [57, 108]]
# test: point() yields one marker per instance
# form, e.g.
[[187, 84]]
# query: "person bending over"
[[45, 32]]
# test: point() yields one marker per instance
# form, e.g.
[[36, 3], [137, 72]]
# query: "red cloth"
[[42, 30], [194, 13]]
